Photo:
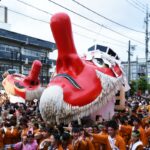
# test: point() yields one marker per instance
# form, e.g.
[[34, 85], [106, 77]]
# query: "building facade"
[[137, 68], [18, 51]]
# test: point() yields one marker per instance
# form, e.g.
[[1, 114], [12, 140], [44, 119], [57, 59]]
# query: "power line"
[[135, 3], [27, 16], [138, 4], [135, 6], [143, 5], [97, 23], [48, 23], [35, 7], [85, 28], [89, 30], [106, 17], [99, 34], [85, 36], [82, 27]]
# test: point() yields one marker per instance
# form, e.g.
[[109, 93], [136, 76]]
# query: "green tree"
[[133, 87], [142, 84]]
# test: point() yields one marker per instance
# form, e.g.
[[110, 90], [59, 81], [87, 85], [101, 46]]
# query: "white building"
[[137, 68]]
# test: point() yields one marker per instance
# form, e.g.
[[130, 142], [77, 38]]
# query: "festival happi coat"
[[27, 87], [80, 86]]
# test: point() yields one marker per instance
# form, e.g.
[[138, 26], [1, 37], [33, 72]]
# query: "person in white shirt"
[[135, 144]]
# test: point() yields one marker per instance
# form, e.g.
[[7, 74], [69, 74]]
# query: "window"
[[111, 52], [33, 53], [2, 48], [98, 47], [102, 48], [17, 68], [117, 102], [91, 48], [4, 67], [8, 67], [118, 93], [8, 48], [134, 76], [26, 70], [43, 72]]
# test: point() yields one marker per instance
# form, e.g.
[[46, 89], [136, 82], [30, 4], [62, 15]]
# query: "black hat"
[[75, 130], [30, 134], [135, 119], [113, 124], [65, 136]]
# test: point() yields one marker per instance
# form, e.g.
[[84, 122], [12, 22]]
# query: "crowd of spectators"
[[22, 128]]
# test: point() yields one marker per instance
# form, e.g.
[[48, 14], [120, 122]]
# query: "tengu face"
[[27, 87], [81, 86]]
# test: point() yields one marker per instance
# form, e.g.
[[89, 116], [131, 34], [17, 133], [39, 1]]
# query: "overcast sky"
[[130, 13]]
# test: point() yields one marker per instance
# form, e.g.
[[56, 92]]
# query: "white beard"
[[34, 94]]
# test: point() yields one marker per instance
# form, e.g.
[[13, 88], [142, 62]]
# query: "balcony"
[[18, 57]]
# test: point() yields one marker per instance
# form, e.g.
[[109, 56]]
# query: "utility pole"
[[137, 71], [6, 15], [130, 48], [146, 42], [129, 62], [129, 65]]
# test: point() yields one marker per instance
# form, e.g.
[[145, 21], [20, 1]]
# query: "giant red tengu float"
[[27, 87], [79, 87]]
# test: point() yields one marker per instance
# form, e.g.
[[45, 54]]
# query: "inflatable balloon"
[[27, 87], [79, 87]]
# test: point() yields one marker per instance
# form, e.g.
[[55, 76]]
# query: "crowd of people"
[[22, 128]]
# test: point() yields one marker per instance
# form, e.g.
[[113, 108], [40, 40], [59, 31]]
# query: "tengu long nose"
[[62, 32], [33, 76]]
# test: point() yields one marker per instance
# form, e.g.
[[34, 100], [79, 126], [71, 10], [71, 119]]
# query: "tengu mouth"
[[69, 78]]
